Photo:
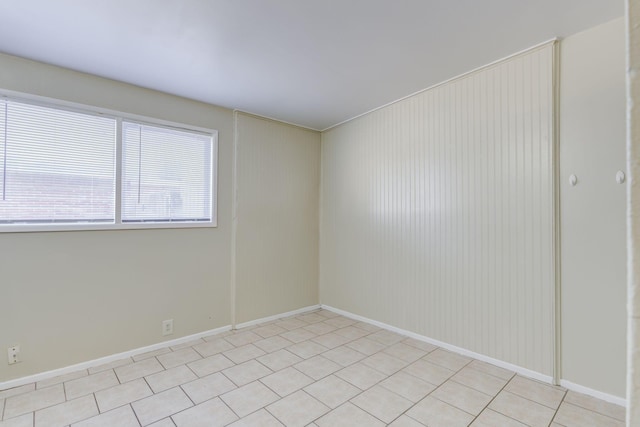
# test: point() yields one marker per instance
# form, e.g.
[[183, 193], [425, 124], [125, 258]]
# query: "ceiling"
[[314, 63]]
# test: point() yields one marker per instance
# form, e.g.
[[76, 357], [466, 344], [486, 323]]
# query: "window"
[[60, 170]]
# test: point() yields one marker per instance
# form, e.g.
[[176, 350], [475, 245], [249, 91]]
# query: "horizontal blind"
[[57, 166], [166, 175]]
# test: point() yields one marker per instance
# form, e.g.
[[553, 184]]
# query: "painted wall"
[[278, 183], [633, 197], [593, 231], [437, 213], [69, 297]]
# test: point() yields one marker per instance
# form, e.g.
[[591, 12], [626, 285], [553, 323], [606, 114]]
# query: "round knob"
[[620, 178], [573, 180]]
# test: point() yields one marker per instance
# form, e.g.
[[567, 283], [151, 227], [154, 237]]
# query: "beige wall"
[[278, 187], [69, 297], [633, 163], [593, 232], [437, 213]]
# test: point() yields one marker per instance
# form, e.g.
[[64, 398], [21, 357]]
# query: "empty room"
[[319, 213]]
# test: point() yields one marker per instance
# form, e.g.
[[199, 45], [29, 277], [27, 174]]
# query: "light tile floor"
[[316, 369]]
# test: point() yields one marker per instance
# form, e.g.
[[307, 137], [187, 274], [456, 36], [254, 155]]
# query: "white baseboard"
[[107, 359], [515, 368], [277, 316], [620, 401]]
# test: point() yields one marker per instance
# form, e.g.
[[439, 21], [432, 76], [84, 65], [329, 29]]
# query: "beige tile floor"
[[316, 369]]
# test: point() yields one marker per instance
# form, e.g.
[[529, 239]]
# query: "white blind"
[[56, 166], [166, 175]]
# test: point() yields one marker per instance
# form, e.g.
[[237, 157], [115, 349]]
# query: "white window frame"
[[119, 117]]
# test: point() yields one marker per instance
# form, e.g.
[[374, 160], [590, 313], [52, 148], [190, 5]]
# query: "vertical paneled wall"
[[437, 213], [278, 191]]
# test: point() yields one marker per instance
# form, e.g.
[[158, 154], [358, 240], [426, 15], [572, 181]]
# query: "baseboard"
[[502, 364], [277, 316], [107, 359], [620, 401]]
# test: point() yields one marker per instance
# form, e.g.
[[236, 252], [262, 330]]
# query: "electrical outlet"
[[167, 327], [13, 354]]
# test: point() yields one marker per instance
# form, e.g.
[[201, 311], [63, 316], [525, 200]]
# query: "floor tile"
[[122, 394], [596, 405], [244, 353], [385, 363], [331, 340], [317, 367], [121, 417], [297, 409], [489, 418], [179, 357], [286, 381], [269, 330], [349, 415], [490, 369], [110, 365], [246, 372], [25, 420], [161, 405], [170, 378], [209, 348], [209, 365], [429, 372], [311, 318], [208, 387], [545, 394], [67, 413], [386, 337], [33, 400], [332, 391], [307, 349], [271, 344], [382, 403], [138, 370], [320, 328], [570, 415], [298, 335], [249, 398], [186, 344], [90, 384], [340, 321], [479, 380], [405, 421], [260, 418], [366, 326], [366, 346], [279, 360], [291, 323], [447, 359], [408, 386], [421, 345], [521, 409], [351, 332], [343, 355], [462, 397], [327, 314], [405, 352], [4, 394], [152, 353], [62, 378], [167, 422], [243, 338], [212, 413], [433, 412], [361, 375]]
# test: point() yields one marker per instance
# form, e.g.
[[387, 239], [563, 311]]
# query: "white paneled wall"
[[278, 192], [437, 213]]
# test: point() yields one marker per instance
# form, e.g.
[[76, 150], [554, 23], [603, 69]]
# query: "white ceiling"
[[314, 63]]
